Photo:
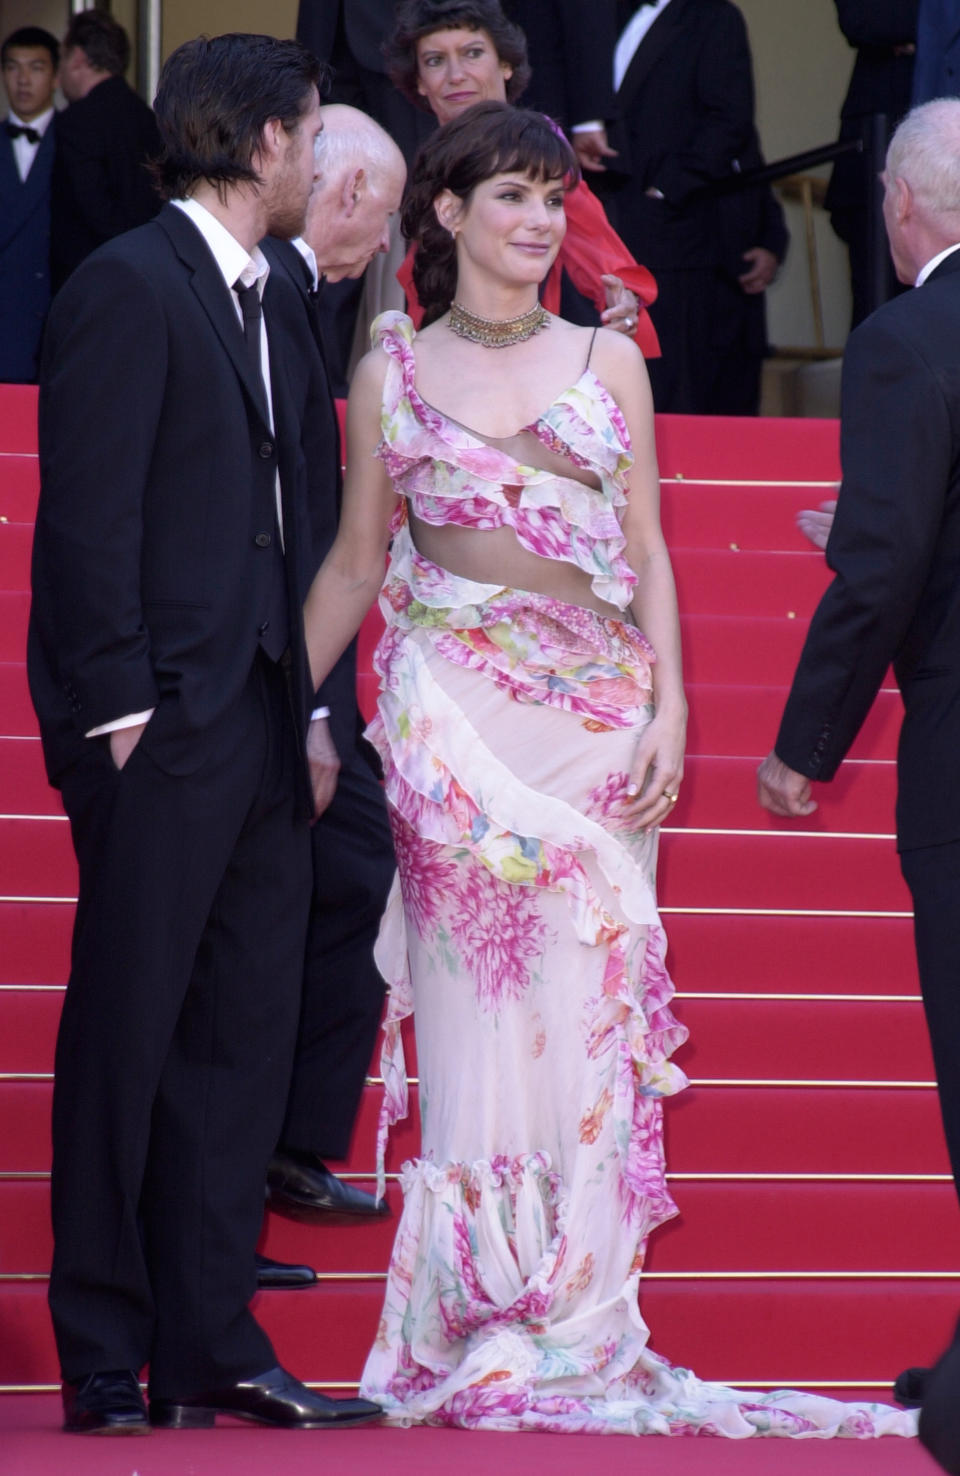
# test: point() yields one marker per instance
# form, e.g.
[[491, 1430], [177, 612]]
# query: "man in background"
[[895, 597], [105, 138], [29, 60], [358, 191]]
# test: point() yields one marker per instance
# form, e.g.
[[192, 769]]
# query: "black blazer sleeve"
[[878, 22], [896, 447]]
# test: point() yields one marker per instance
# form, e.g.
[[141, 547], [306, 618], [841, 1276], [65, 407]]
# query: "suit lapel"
[[661, 35], [207, 283], [19, 198]]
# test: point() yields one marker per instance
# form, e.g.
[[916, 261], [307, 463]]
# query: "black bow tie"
[[16, 130]]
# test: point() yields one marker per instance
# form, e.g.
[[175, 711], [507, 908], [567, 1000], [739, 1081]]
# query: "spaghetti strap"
[[593, 339]]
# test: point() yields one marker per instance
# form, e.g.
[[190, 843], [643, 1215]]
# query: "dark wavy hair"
[[489, 138], [418, 18], [214, 99]]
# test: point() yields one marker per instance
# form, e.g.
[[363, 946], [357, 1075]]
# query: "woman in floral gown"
[[531, 724]]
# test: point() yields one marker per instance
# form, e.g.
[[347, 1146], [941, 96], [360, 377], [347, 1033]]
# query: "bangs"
[[527, 143]]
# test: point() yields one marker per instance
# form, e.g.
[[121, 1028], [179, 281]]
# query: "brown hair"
[[419, 18], [214, 99], [489, 138]]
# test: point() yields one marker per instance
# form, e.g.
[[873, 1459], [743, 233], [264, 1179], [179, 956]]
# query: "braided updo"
[[489, 138]]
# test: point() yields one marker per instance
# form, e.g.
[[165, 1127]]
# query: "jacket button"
[[266, 450], [263, 540], [263, 628]]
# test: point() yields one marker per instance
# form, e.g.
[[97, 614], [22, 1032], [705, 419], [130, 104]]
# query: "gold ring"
[[671, 797]]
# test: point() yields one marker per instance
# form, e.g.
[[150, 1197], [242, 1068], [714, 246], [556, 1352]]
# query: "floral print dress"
[[523, 931]]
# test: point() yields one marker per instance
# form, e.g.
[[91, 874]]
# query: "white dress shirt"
[[236, 264], [934, 262], [24, 152], [630, 38]]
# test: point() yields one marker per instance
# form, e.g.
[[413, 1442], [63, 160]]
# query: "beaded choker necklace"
[[497, 332]]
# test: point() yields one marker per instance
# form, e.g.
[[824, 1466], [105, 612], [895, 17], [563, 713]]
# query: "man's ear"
[[271, 141], [903, 200], [354, 185], [448, 207]]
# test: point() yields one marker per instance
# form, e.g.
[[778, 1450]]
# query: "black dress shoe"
[[300, 1184], [278, 1276], [910, 1387], [274, 1398], [105, 1404], [940, 1416]]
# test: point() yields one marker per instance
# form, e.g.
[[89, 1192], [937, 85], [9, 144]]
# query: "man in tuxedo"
[[895, 550], [105, 138], [361, 178], [167, 665], [29, 60], [684, 90]]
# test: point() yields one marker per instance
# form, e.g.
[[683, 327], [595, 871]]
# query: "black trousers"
[[933, 875], [683, 377], [353, 868], [175, 1047]]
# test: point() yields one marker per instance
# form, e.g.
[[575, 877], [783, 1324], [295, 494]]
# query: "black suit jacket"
[[686, 114], [101, 186], [323, 457], [570, 43], [158, 473], [895, 552], [24, 257]]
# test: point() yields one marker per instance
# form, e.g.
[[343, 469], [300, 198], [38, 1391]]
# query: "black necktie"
[[16, 130], [252, 311]]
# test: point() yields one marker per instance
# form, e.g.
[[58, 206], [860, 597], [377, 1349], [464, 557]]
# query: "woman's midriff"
[[494, 556]]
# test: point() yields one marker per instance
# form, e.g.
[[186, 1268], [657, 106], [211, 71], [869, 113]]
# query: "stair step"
[[721, 792], [738, 719], [757, 519], [729, 1226], [14, 611], [765, 449], [16, 541], [799, 870], [23, 781], [802, 1039], [17, 717], [793, 871], [731, 582], [19, 486], [717, 953], [736, 1330], [36, 942], [740, 1128]]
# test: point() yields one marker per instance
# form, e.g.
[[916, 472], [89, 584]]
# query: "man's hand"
[[323, 763], [783, 791], [622, 306], [815, 522], [123, 741], [591, 148], [762, 267]]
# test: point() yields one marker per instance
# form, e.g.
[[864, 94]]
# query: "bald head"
[[921, 206], [361, 174]]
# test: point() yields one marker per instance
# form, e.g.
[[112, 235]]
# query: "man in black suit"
[[362, 174], [29, 59], [895, 551], [101, 184], [167, 666], [684, 89], [570, 45]]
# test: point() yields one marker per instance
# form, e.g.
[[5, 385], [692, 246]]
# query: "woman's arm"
[[346, 584], [658, 761]]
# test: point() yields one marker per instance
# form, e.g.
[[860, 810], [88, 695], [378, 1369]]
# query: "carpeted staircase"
[[819, 1240]]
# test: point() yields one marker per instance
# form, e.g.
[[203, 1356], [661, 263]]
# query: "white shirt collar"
[[630, 38], [234, 261], [309, 256], [934, 262], [41, 124]]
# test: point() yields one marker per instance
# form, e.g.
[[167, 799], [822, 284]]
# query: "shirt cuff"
[[319, 712], [594, 126], [134, 719]]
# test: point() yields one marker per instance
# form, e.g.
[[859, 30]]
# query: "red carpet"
[[31, 1445], [819, 1241]]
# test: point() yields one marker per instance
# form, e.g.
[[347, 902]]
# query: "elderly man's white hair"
[[351, 138], [925, 151]]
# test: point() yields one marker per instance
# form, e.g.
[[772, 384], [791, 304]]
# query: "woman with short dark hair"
[[445, 56]]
